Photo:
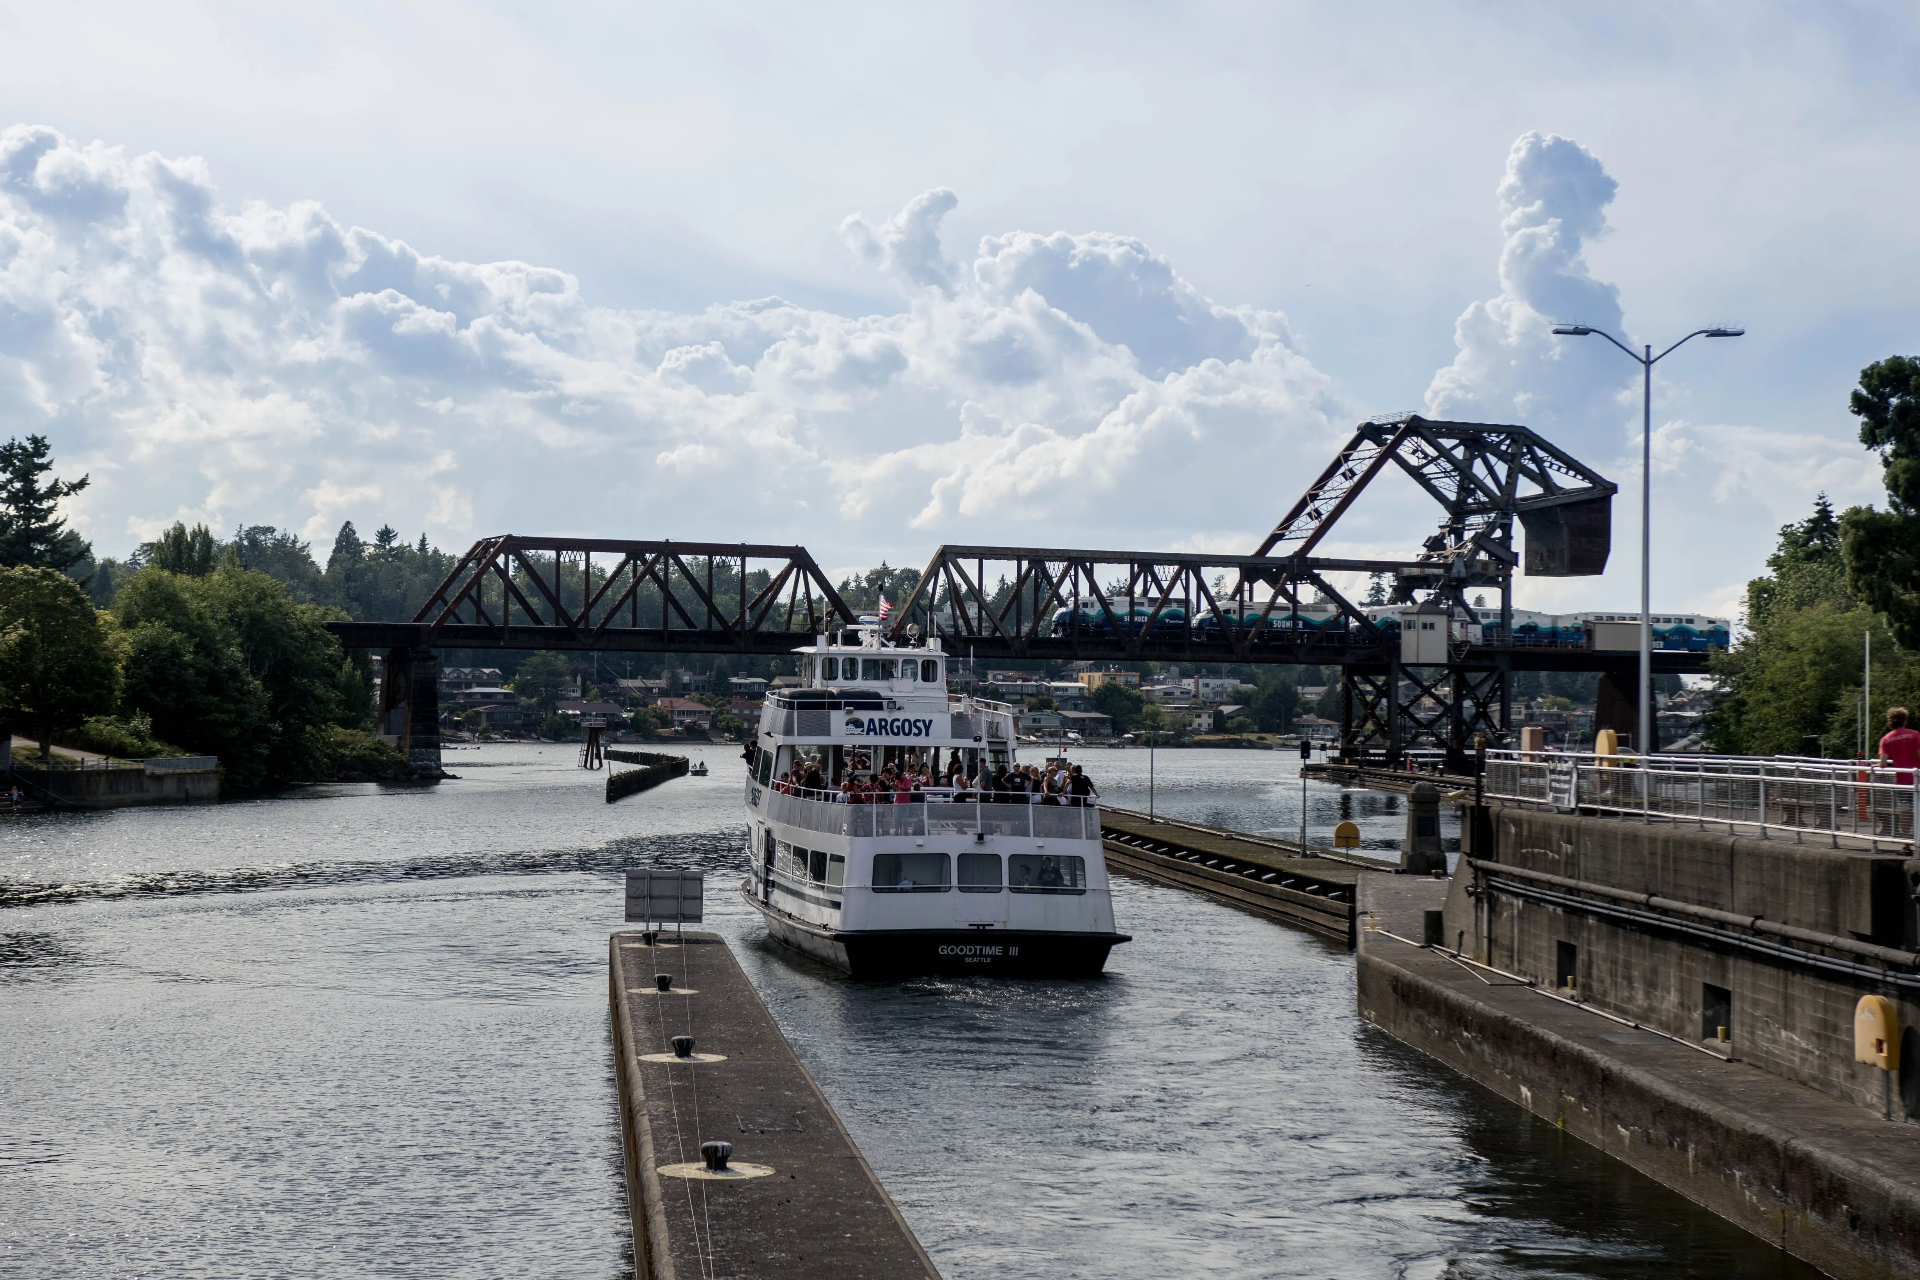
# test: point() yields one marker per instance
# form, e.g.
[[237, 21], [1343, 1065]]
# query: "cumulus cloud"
[[266, 364], [261, 364], [1721, 491], [1510, 368]]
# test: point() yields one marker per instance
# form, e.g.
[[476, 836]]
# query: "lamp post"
[[1643, 734]]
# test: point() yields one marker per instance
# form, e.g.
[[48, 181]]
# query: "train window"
[[836, 871], [909, 873], [876, 668], [1046, 873], [929, 671]]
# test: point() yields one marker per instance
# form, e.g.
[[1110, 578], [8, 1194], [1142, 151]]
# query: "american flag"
[[885, 608]]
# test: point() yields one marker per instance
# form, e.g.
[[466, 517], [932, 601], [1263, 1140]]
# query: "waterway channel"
[[359, 1031]]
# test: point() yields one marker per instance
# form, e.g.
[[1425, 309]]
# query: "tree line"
[[193, 646], [1795, 682], [201, 644]]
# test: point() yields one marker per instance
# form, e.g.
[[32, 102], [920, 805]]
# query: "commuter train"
[[1671, 631], [1135, 616]]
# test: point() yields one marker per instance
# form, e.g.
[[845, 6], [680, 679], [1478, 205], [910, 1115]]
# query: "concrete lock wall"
[[1782, 1016], [118, 788]]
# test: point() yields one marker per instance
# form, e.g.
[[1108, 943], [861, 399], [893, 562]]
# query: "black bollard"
[[663, 981], [716, 1155], [683, 1046]]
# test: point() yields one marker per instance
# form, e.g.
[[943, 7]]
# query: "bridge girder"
[[517, 592]]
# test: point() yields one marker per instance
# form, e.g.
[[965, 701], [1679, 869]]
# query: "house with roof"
[[685, 713]]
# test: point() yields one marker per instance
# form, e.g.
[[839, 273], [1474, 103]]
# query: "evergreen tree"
[[1883, 547], [31, 533], [348, 550], [386, 543]]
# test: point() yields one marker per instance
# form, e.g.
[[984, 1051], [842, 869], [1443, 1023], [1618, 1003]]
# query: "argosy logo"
[[889, 727]]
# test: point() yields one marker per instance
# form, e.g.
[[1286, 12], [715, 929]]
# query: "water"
[[363, 1032]]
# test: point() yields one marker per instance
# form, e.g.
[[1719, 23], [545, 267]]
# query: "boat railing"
[[939, 814]]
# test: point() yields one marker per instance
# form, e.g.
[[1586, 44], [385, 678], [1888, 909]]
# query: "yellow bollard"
[[1876, 1041]]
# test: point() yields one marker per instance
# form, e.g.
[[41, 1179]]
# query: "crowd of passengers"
[[909, 784]]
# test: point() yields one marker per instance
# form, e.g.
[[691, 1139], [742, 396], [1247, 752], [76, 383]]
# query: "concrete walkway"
[[32, 746]]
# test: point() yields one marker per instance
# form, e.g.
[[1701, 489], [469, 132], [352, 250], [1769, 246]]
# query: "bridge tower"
[[1442, 687]]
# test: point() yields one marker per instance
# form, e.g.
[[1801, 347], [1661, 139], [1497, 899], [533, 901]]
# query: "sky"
[[874, 277]]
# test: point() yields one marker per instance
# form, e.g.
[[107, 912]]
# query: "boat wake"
[[704, 851]]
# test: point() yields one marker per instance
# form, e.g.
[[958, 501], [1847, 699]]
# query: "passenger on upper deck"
[[1080, 788]]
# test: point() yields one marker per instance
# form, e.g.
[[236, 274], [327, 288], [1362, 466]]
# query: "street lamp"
[[1646, 360]]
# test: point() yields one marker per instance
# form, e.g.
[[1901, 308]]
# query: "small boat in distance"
[[699, 769], [918, 878]]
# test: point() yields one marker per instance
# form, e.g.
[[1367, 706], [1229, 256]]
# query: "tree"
[[30, 531], [1377, 589], [1120, 704], [348, 550], [648, 721], [280, 555], [1882, 548], [56, 666], [1795, 674], [180, 550], [386, 543], [229, 665], [540, 680], [296, 660]]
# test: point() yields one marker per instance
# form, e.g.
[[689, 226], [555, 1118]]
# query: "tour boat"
[[932, 880]]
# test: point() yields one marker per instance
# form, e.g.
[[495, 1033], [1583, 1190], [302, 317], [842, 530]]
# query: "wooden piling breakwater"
[[655, 768]]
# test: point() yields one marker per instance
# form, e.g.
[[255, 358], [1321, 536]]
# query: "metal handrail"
[[1858, 798], [934, 817]]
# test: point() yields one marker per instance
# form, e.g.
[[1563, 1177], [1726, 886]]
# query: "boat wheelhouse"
[[951, 879]]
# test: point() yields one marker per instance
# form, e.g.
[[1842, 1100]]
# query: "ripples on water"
[[362, 1031]]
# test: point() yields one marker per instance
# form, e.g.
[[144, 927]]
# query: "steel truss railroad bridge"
[[617, 596]]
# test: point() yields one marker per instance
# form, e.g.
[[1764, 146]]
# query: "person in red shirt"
[[1900, 747]]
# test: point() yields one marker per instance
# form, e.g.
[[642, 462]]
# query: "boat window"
[[1046, 873], [876, 668], [907, 669], [783, 858], [829, 668], [836, 871], [909, 873], [929, 671], [763, 766], [979, 873], [817, 866]]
